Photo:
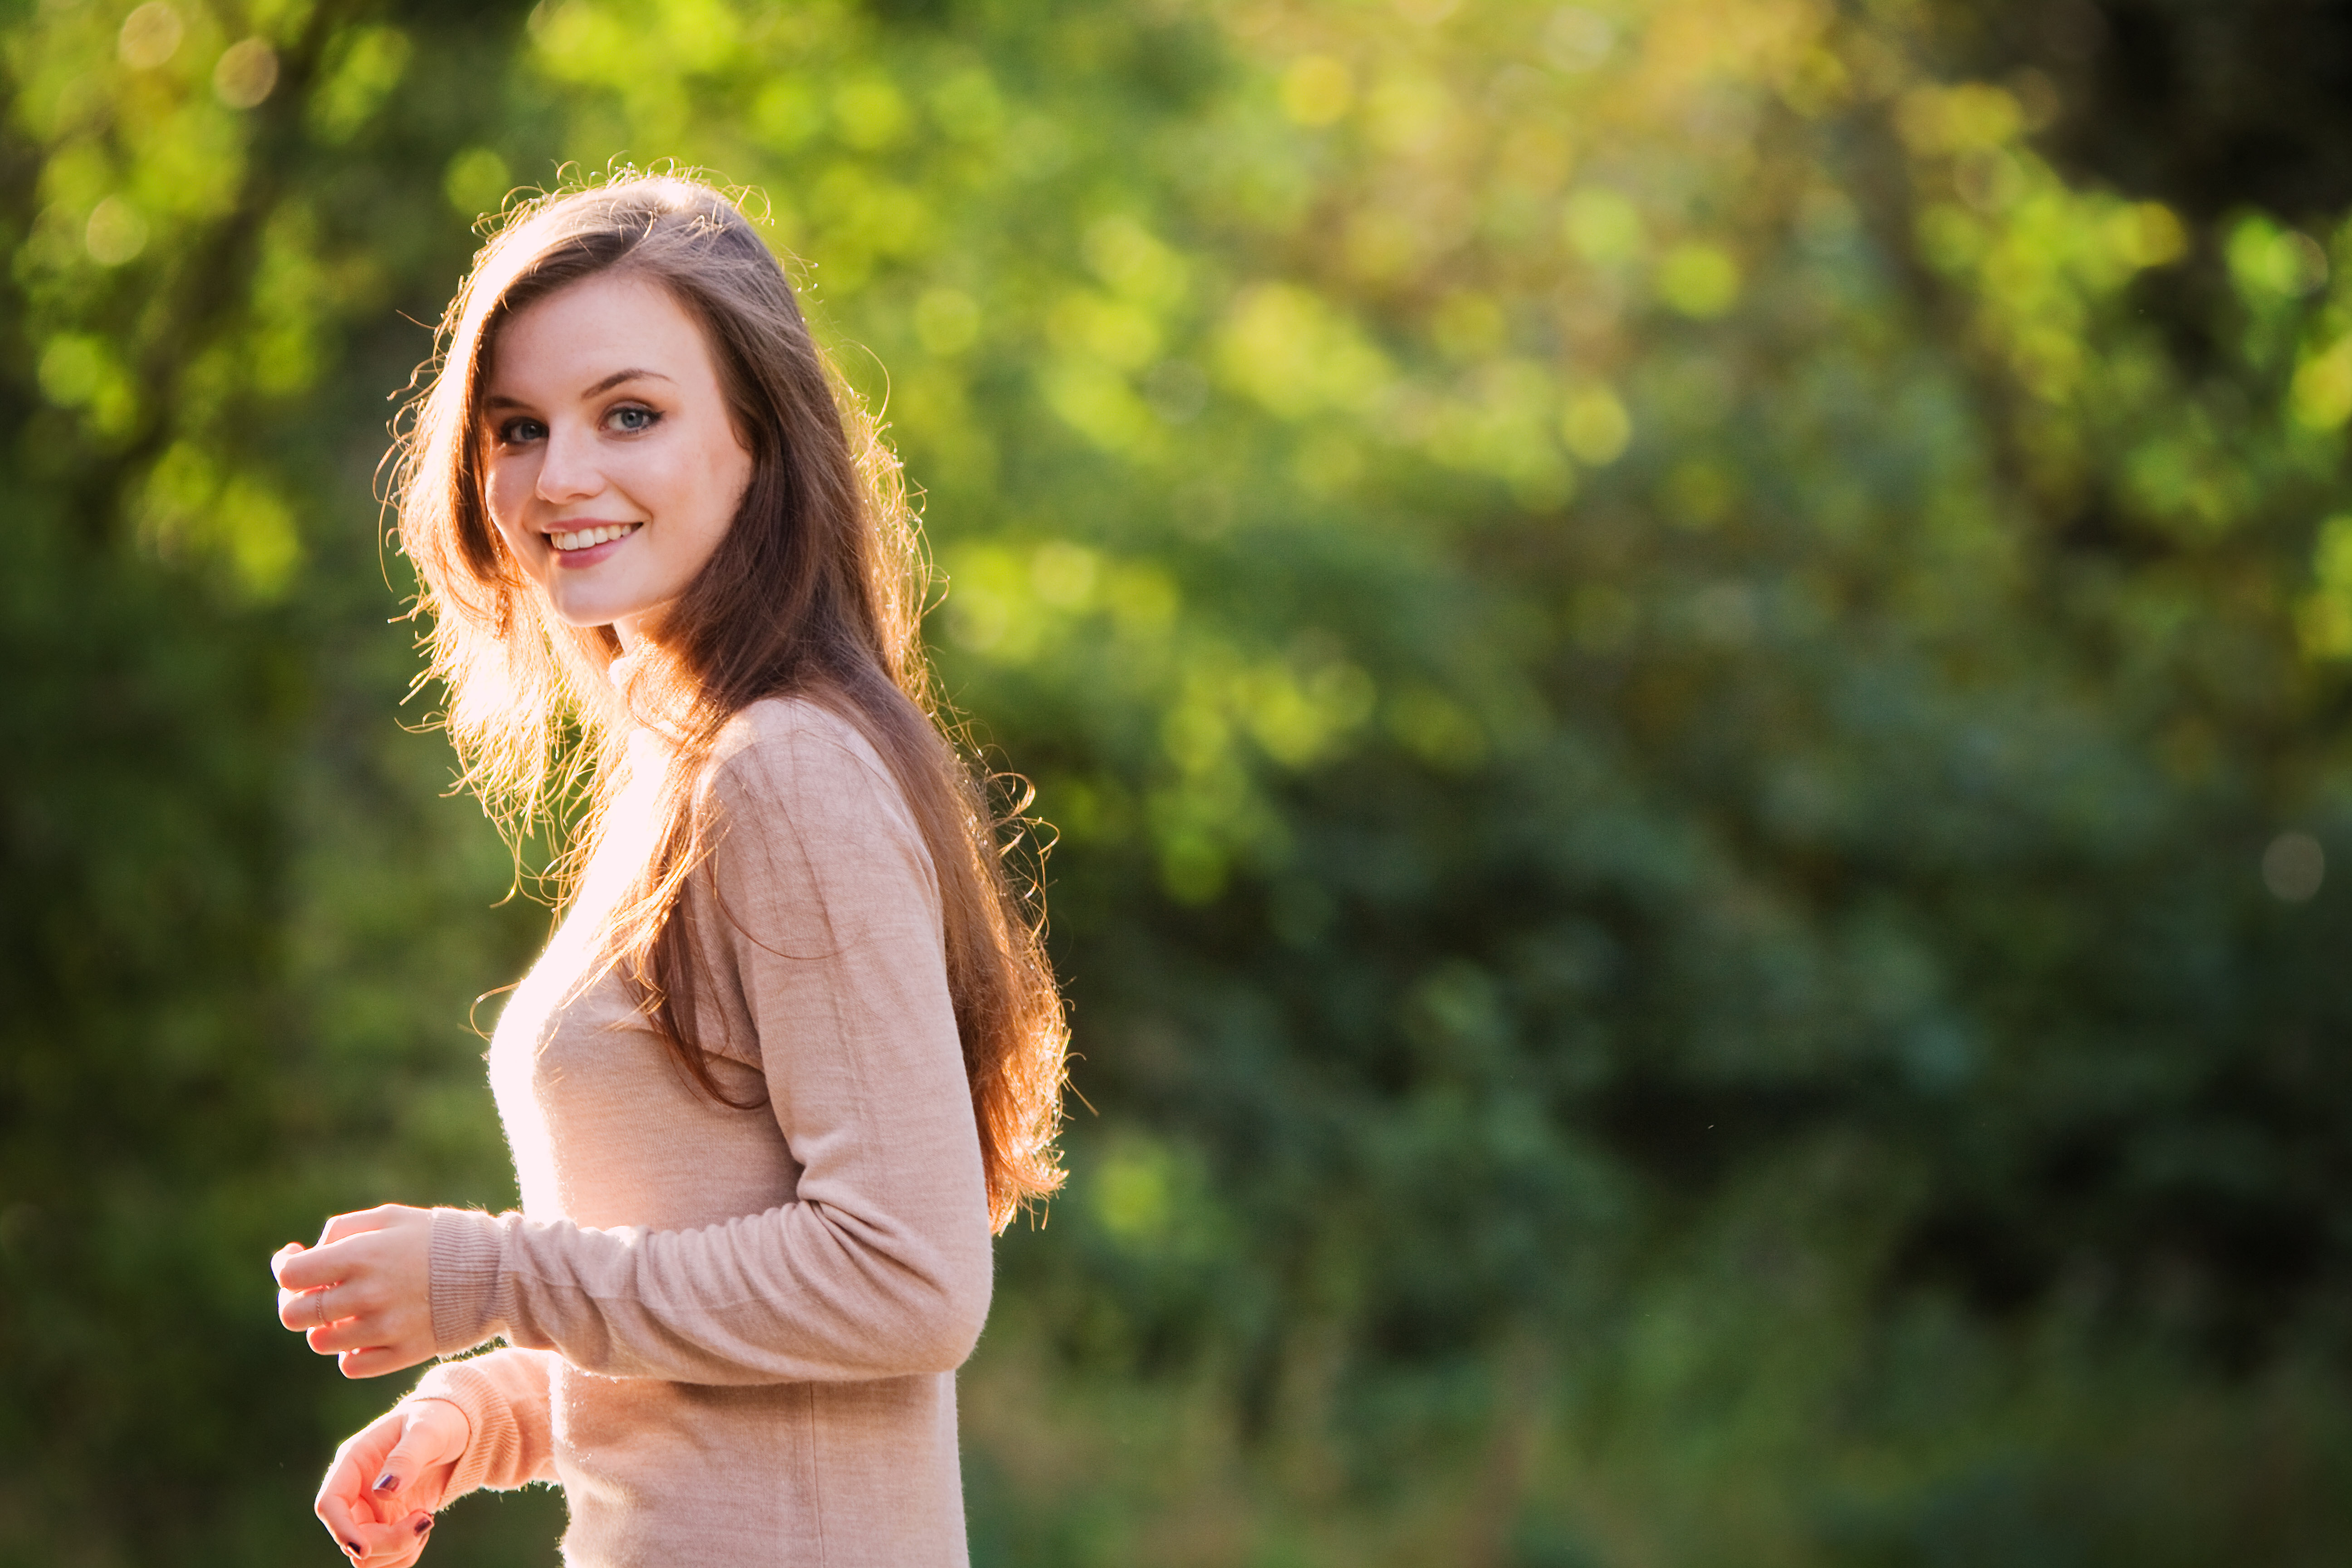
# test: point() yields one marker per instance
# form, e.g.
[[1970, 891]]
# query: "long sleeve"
[[504, 1398], [818, 914]]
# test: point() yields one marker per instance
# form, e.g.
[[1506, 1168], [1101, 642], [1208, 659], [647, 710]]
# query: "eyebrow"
[[617, 378]]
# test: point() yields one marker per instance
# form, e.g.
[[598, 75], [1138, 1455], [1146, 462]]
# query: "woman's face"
[[614, 470]]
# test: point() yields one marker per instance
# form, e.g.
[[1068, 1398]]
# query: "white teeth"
[[588, 537]]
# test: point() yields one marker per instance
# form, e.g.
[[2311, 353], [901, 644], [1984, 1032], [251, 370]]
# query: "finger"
[[297, 1309], [396, 1544], [361, 1456], [277, 1258], [335, 1512], [310, 1267], [349, 1539], [305, 1309], [397, 1541], [331, 1262], [375, 1549], [343, 1505], [389, 1546], [424, 1444], [375, 1361], [417, 1527], [344, 1225], [359, 1333]]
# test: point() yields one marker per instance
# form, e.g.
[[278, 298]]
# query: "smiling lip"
[[572, 560]]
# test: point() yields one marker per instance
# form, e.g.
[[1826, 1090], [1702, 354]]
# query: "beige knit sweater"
[[732, 1334]]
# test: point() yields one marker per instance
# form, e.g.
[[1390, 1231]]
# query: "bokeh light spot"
[[1602, 225], [1595, 426], [245, 73], [947, 320], [116, 232], [2321, 394], [149, 36], [1317, 90], [476, 181], [2280, 262], [1575, 39], [1699, 280], [2293, 867]]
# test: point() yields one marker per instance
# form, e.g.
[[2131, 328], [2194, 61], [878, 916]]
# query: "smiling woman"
[[583, 457], [794, 1049]]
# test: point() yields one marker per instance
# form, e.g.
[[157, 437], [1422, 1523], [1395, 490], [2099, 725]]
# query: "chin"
[[578, 613]]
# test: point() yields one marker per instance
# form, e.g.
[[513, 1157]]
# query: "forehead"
[[565, 341]]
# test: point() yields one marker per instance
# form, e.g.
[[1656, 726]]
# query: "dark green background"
[[1668, 642]]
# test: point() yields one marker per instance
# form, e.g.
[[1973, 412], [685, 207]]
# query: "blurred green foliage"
[[1693, 703]]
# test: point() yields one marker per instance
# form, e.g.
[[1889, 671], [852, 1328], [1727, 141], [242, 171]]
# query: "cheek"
[[703, 489], [726, 477], [726, 484], [500, 491], [504, 494]]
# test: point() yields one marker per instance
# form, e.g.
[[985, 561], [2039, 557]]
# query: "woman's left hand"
[[364, 1294]]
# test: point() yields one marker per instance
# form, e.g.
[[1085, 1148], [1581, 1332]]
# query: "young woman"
[[794, 1052]]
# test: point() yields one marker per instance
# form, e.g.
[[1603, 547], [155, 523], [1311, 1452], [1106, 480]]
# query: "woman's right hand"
[[379, 1494]]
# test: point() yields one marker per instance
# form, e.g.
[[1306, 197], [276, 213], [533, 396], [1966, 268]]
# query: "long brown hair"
[[816, 590]]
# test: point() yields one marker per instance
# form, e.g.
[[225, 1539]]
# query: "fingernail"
[[353, 1547], [387, 1482], [423, 1525]]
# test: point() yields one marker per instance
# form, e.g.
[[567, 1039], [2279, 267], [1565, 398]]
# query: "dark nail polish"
[[353, 1547], [423, 1525], [387, 1482]]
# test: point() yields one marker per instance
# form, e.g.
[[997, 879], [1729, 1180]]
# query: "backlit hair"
[[815, 591]]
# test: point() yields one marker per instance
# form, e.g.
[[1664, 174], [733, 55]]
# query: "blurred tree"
[[2210, 105]]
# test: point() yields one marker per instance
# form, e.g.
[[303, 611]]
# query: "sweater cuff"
[[466, 1286], [491, 1431]]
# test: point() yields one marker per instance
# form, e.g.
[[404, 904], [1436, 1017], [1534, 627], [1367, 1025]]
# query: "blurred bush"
[[1691, 697]]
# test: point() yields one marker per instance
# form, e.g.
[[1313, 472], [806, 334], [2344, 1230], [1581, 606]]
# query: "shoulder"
[[793, 757]]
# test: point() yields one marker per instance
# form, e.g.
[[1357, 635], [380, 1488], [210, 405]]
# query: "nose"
[[567, 468]]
